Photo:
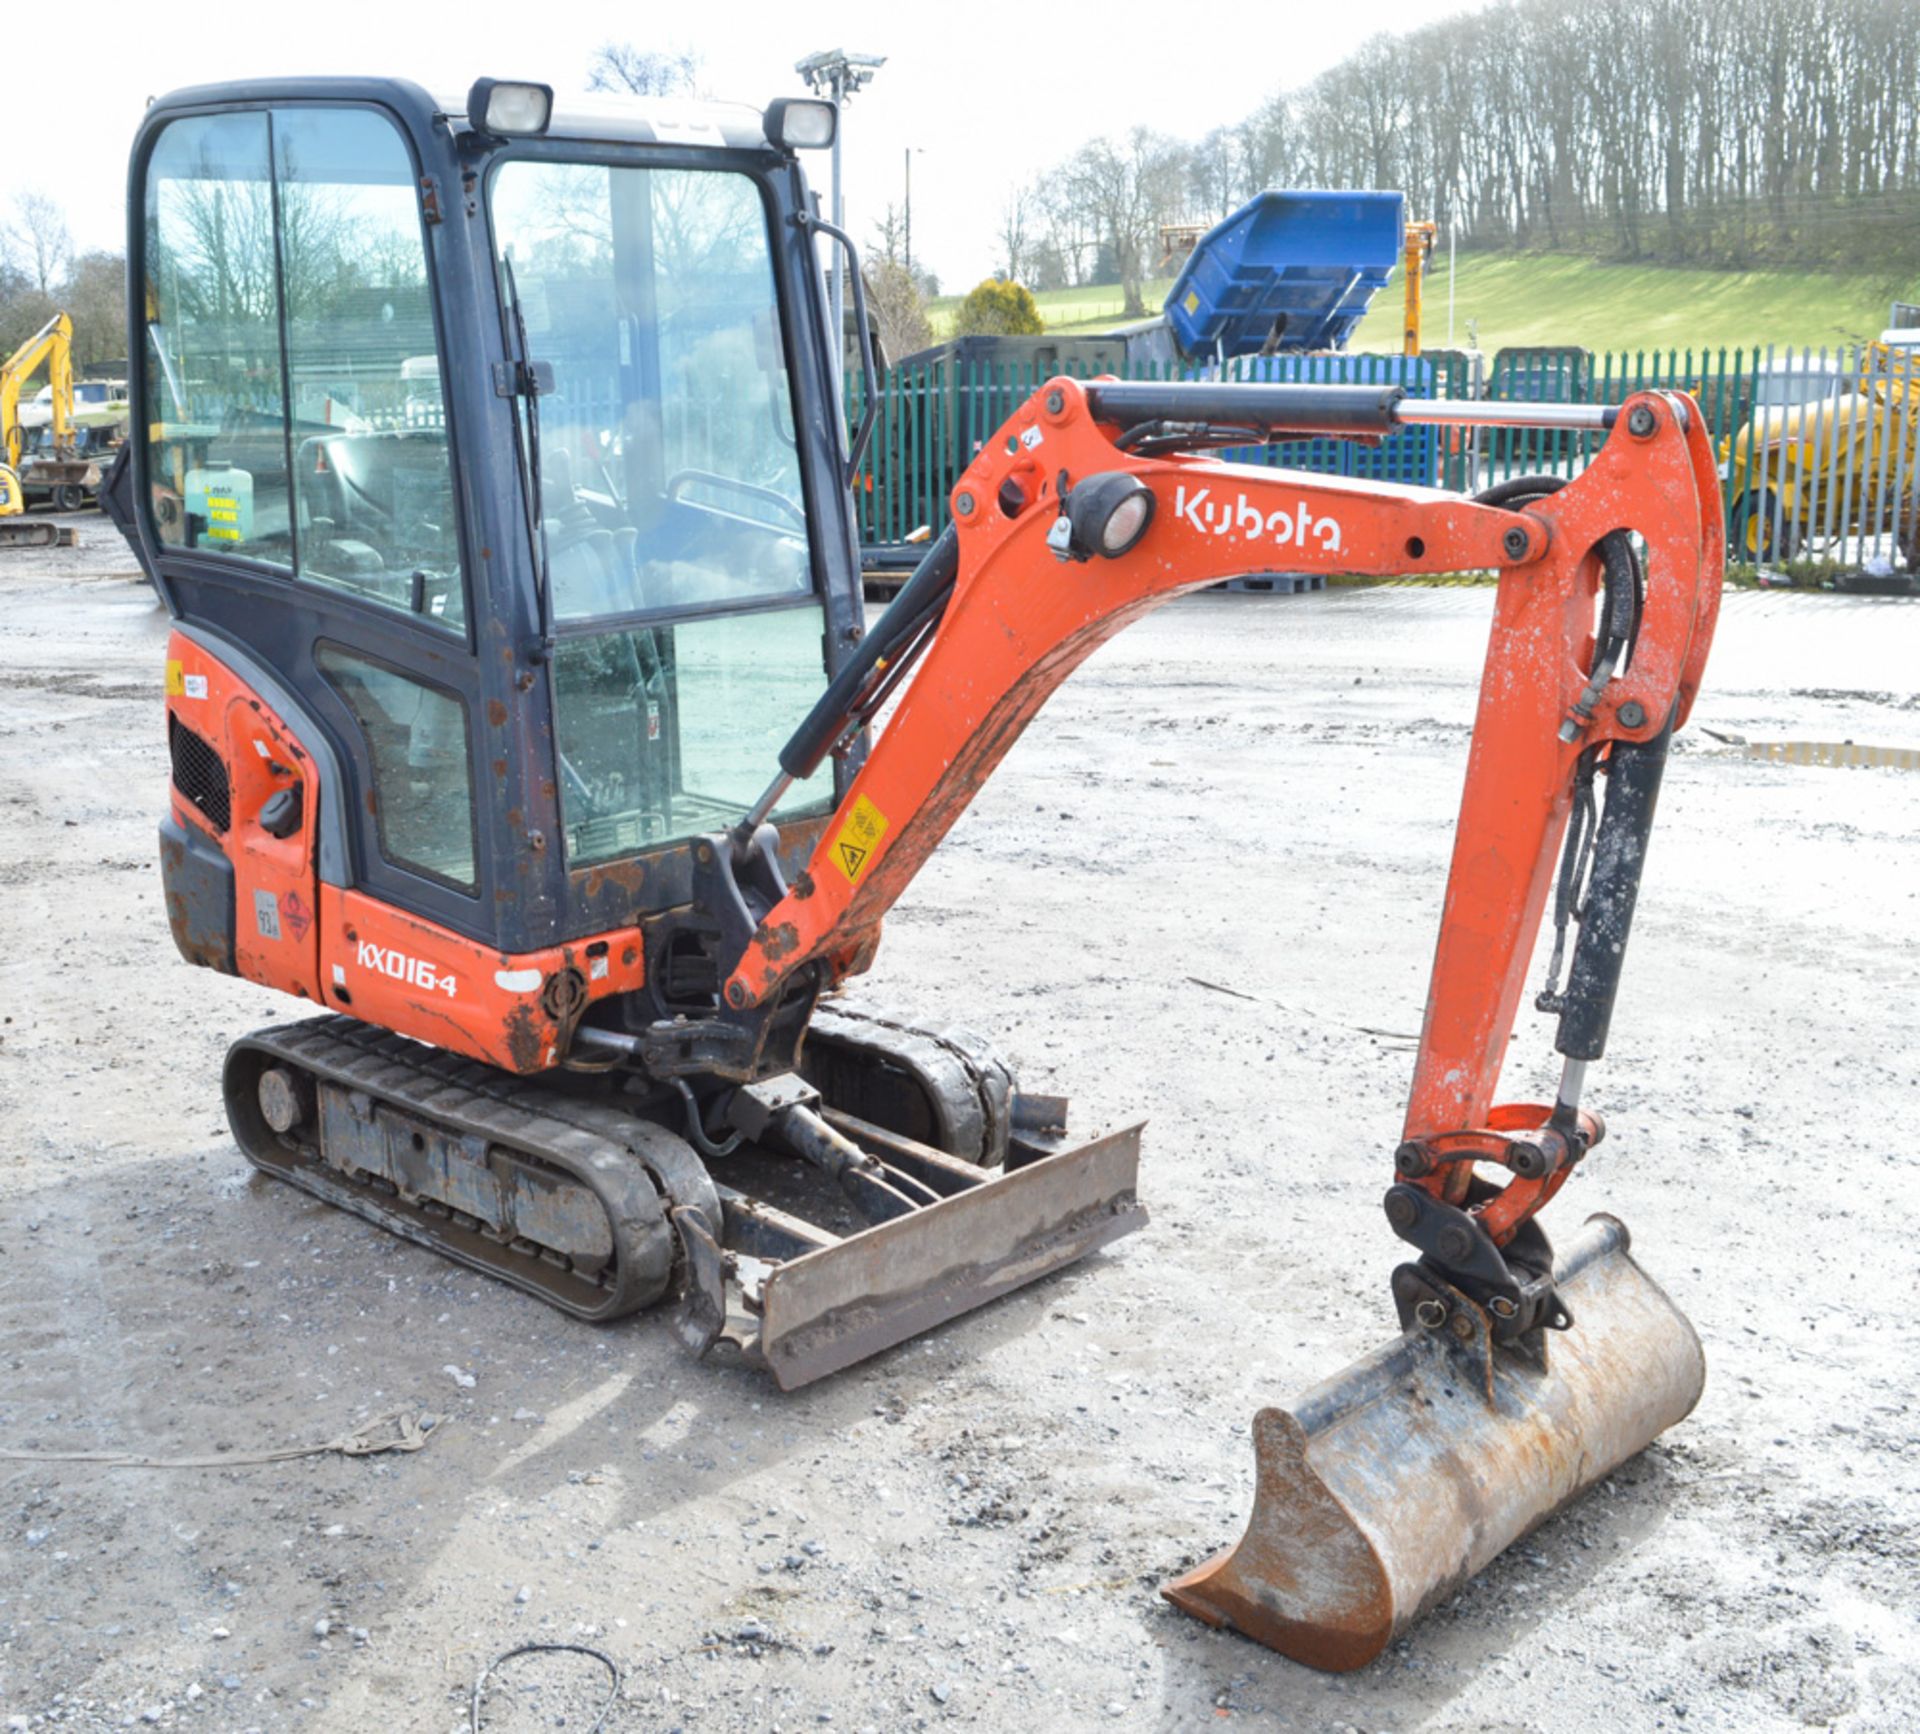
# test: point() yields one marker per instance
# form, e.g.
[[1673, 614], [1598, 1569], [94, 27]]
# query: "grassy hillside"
[[1097, 307], [1549, 298]]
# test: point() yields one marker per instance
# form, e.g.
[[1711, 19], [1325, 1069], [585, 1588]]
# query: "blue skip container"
[[1287, 271]]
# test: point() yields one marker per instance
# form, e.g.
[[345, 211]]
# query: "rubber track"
[[624, 1161], [989, 1079]]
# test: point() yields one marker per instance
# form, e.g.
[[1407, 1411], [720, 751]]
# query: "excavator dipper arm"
[[1055, 549]]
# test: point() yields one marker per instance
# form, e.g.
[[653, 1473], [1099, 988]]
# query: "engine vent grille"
[[199, 774]]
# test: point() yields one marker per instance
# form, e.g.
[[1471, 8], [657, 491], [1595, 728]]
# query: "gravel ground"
[[1255, 792]]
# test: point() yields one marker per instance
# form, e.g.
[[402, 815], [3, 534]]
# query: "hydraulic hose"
[[922, 600], [1620, 623], [1634, 771], [1619, 841]]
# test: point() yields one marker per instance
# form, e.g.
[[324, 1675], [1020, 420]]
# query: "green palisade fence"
[[1817, 447]]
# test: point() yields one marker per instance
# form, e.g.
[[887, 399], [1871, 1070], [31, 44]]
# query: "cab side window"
[[291, 358], [215, 381], [416, 738], [372, 475]]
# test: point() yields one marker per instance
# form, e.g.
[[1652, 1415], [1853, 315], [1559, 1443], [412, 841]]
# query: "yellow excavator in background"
[[1419, 255], [64, 467]]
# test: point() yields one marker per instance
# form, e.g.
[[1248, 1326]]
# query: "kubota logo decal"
[[397, 966], [1289, 527]]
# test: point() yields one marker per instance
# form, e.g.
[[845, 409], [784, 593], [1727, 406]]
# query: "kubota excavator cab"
[[494, 471], [374, 329]]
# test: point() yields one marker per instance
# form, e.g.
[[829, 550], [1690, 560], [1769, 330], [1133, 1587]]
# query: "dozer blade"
[[1387, 1487], [840, 1304]]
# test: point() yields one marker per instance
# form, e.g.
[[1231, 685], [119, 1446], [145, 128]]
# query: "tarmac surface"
[[1202, 891]]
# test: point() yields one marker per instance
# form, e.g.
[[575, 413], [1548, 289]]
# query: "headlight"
[[506, 109], [1106, 514]]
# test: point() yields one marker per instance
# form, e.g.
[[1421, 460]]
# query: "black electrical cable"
[[600, 1656]]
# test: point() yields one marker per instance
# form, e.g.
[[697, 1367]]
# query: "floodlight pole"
[[836, 75], [1450, 283], [912, 151]]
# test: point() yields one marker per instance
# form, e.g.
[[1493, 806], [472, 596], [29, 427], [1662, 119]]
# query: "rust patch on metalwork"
[[496, 711], [526, 1046], [500, 769], [627, 876], [208, 951], [803, 886], [777, 942]]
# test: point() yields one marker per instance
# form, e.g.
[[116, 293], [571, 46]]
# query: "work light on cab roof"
[[799, 123], [509, 108]]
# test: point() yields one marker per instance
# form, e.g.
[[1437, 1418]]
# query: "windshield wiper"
[[526, 378], [158, 333]]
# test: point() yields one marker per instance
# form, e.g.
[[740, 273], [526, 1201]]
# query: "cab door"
[[303, 506]]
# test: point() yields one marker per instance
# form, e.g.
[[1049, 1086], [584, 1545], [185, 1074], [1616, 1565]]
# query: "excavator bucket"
[[1385, 1488]]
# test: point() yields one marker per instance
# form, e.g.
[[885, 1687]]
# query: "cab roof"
[[609, 118]]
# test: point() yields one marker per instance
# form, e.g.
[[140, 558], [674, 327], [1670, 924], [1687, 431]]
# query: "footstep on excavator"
[[521, 710]]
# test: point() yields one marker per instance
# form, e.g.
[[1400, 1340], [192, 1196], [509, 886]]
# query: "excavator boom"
[[52, 344], [1388, 1486]]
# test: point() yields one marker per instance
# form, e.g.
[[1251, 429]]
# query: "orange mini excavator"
[[519, 701]]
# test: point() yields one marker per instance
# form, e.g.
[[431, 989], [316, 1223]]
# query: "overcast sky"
[[989, 95]]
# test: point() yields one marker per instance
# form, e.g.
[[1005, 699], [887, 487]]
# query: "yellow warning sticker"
[[1192, 302], [858, 838], [175, 686]]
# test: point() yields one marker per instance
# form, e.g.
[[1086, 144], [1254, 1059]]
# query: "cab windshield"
[[670, 489]]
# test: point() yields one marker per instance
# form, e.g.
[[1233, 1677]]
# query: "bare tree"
[[1071, 246], [1128, 188], [1016, 214], [95, 294], [38, 237], [643, 71], [890, 232], [894, 299]]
